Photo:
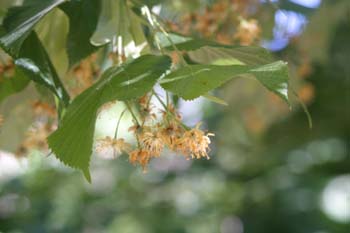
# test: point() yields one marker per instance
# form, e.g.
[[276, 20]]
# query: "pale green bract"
[[117, 20]]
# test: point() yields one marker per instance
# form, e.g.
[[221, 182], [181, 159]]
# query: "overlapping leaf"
[[20, 21], [23, 45], [117, 20], [113, 22], [248, 55], [83, 17], [52, 32], [34, 62], [208, 52], [193, 81], [72, 142], [135, 28]]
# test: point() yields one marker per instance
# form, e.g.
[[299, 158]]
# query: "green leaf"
[[235, 55], [20, 21], [52, 31], [12, 85], [208, 52], [215, 99], [83, 17], [185, 44], [34, 62], [193, 81], [112, 23], [136, 28], [72, 141]]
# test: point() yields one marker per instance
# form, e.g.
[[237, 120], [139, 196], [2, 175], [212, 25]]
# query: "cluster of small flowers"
[[87, 72], [7, 69], [36, 138], [83, 75], [227, 21], [248, 31], [44, 124], [154, 136]]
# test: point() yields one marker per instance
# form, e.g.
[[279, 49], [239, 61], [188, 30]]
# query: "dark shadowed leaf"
[[83, 16], [34, 62], [20, 21]]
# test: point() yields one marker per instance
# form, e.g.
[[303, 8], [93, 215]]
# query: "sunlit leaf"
[[175, 39], [208, 52], [113, 22], [193, 81], [249, 55], [136, 28], [52, 31], [72, 142]]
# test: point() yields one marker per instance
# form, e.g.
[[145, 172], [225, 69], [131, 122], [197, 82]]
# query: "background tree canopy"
[[268, 171]]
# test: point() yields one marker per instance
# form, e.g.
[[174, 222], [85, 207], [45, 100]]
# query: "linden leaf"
[[113, 22], [35, 63], [83, 16], [20, 21], [234, 55], [72, 141], [135, 28], [21, 42], [193, 81], [212, 53]]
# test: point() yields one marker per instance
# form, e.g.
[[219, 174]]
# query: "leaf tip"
[[87, 175]]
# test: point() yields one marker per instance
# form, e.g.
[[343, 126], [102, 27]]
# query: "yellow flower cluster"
[[153, 136]]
